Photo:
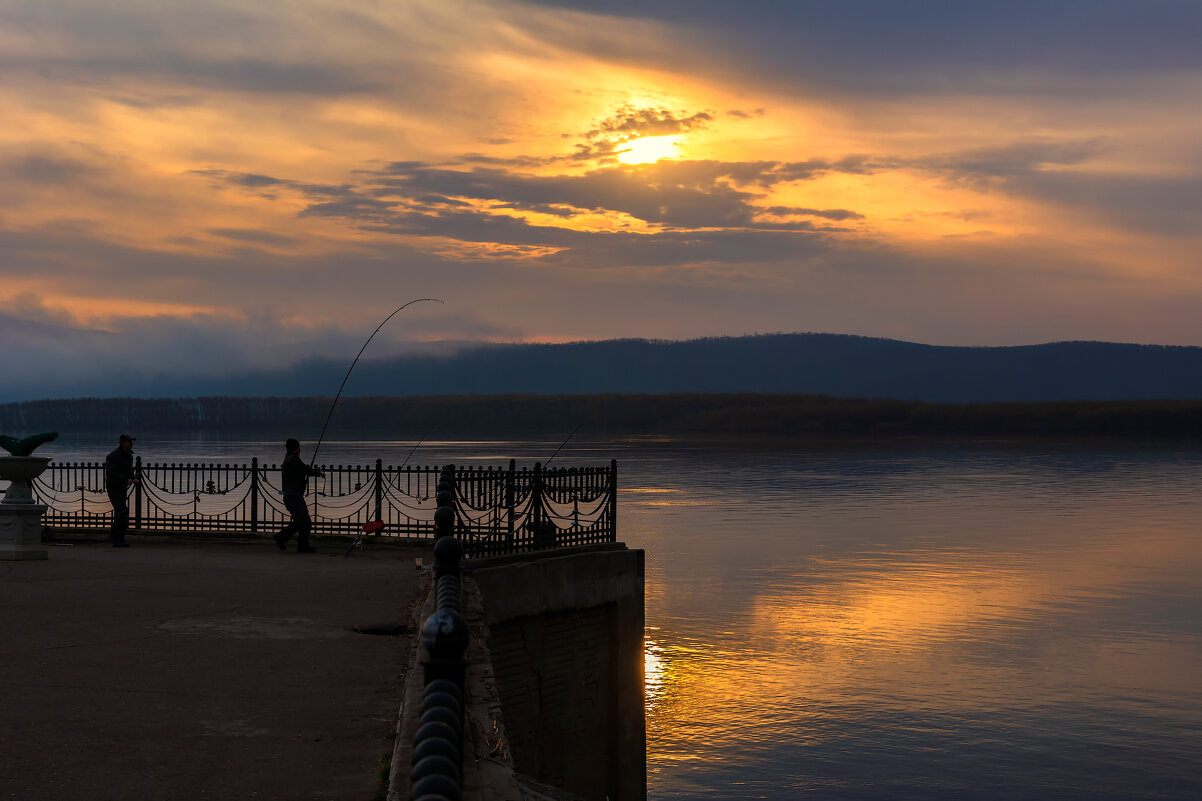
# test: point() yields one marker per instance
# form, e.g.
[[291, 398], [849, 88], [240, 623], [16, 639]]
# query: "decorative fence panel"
[[497, 510]]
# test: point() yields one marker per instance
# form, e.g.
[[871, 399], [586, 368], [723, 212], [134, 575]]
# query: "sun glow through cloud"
[[649, 149]]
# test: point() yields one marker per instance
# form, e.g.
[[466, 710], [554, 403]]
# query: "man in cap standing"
[[118, 478], [294, 479]]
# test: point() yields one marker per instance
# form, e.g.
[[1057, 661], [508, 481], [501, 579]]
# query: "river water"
[[907, 622]]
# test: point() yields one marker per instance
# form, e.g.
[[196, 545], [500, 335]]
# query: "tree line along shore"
[[689, 416]]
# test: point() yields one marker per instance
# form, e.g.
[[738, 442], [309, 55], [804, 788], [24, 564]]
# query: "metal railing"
[[497, 510]]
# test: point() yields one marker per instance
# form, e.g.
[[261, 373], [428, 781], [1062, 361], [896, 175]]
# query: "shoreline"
[[745, 419]]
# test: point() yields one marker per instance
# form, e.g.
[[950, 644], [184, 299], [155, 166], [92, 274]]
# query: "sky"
[[231, 186]]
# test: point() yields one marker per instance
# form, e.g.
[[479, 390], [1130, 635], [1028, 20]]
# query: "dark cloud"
[[127, 45], [323, 190], [253, 236], [706, 218], [150, 56], [630, 122], [604, 143], [353, 208], [433, 201], [546, 208], [601, 152], [251, 180], [44, 169], [806, 170], [936, 47], [520, 162], [1169, 205], [269, 77], [244, 180], [1017, 158], [397, 166], [462, 226], [830, 214], [249, 75], [680, 193], [700, 205], [682, 248], [27, 313], [157, 101], [762, 241]]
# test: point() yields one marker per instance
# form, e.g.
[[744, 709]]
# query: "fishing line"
[[377, 525], [352, 367], [560, 448], [418, 445]]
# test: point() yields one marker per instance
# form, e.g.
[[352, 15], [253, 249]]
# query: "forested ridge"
[[835, 365], [710, 416], [790, 364]]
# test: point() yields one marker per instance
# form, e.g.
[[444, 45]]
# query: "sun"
[[647, 149]]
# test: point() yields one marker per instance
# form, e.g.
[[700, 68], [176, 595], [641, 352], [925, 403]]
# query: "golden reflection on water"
[[1020, 622]]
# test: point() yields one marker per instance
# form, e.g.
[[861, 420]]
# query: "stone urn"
[[20, 517], [20, 471]]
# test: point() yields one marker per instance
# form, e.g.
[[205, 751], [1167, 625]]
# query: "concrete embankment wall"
[[565, 635]]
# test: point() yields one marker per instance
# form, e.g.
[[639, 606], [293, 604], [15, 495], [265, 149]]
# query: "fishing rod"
[[352, 367], [377, 525], [560, 448]]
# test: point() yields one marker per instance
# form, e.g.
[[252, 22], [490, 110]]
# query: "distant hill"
[[765, 387], [791, 364], [813, 364]]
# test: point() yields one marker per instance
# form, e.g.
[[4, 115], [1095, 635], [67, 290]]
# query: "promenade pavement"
[[205, 670]]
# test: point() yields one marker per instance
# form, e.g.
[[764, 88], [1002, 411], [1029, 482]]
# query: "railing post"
[[316, 529], [254, 494], [510, 499], [613, 500], [536, 502], [538, 530], [379, 489], [138, 492]]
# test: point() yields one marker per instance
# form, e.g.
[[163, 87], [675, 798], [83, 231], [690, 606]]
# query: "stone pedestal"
[[21, 531], [20, 517]]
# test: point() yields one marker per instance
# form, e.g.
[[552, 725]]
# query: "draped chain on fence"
[[497, 510]]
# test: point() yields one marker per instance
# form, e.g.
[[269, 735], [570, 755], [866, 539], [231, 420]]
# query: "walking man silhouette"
[[294, 479]]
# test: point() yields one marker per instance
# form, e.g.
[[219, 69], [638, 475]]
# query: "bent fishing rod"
[[352, 367]]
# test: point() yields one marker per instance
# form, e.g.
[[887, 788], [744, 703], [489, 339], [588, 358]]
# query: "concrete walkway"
[[201, 670]]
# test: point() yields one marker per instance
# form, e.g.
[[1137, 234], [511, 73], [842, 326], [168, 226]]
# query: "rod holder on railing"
[[437, 767]]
